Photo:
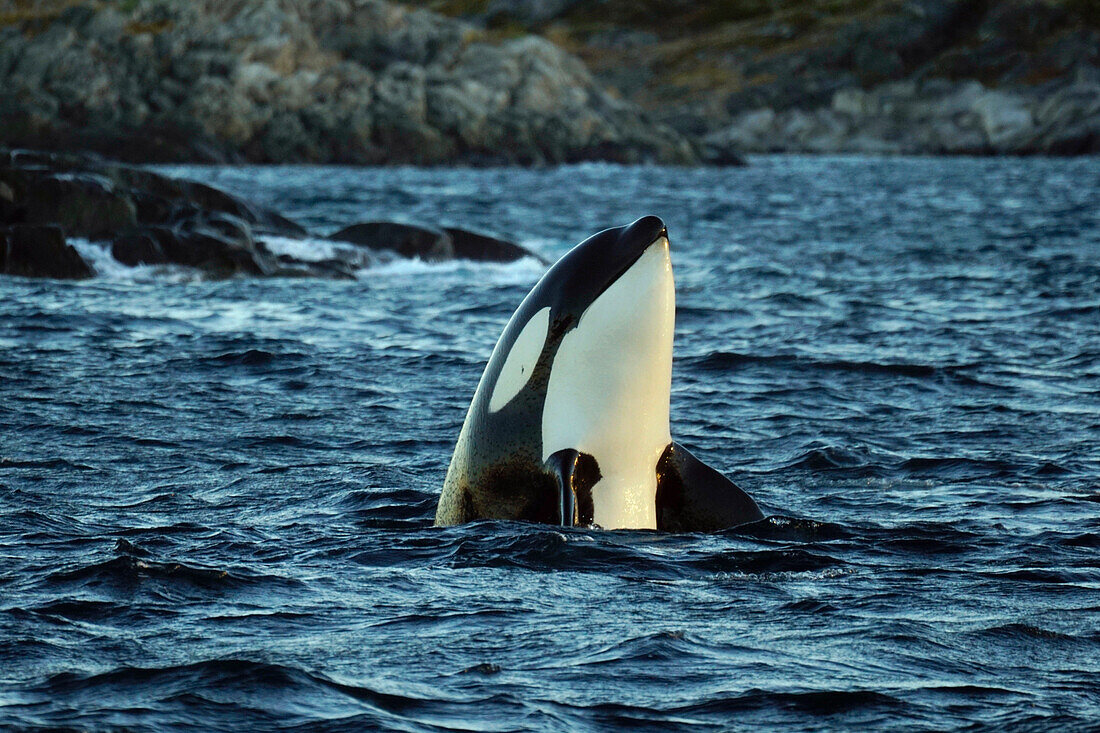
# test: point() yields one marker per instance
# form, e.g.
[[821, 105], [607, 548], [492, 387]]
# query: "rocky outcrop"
[[936, 117], [431, 245], [348, 81], [40, 251], [150, 219], [468, 245], [880, 76], [405, 240]]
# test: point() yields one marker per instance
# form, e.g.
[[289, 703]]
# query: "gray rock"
[[1070, 121], [528, 12], [138, 248], [937, 116], [352, 81], [1005, 119], [921, 76], [469, 245], [40, 251], [406, 240], [84, 204], [149, 218]]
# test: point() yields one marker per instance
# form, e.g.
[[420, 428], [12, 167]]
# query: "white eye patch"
[[521, 360]]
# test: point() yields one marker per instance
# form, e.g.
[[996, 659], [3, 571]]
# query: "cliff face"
[[369, 81], [919, 76], [351, 81]]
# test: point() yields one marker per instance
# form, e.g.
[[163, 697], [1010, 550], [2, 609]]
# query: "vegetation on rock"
[[350, 81], [719, 69]]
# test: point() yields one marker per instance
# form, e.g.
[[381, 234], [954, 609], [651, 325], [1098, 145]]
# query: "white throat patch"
[[608, 393]]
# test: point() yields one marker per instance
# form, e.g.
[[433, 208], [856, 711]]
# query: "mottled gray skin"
[[497, 470]]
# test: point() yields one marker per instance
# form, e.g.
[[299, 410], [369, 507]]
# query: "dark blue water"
[[216, 497]]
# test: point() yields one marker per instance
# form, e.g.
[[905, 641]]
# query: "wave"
[[817, 702], [1087, 539], [392, 508], [520, 272], [725, 360], [227, 679], [250, 357], [861, 462], [316, 249], [83, 610], [957, 468], [624, 554], [836, 458], [1047, 576], [1024, 631], [763, 562], [365, 263], [812, 606], [128, 571], [98, 256], [59, 463]]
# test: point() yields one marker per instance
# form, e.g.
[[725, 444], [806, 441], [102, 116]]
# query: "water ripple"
[[216, 498]]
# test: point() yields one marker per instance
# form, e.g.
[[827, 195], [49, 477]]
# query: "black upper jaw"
[[590, 268]]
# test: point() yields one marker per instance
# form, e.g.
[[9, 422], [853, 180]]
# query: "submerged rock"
[[431, 245], [482, 247], [40, 251], [406, 240]]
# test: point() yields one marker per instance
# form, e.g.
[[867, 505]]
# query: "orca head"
[[584, 273], [591, 347]]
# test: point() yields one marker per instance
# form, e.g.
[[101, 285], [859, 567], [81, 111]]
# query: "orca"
[[569, 424]]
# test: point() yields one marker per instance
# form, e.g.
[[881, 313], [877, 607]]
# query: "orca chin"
[[570, 421], [618, 413]]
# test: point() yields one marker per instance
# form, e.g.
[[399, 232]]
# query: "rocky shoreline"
[[926, 77], [321, 81], [937, 117], [146, 218], [512, 82]]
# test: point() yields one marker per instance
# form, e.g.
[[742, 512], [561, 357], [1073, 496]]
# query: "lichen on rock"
[[348, 81]]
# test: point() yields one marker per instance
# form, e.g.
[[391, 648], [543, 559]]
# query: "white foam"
[[365, 262], [523, 271], [311, 249], [98, 256]]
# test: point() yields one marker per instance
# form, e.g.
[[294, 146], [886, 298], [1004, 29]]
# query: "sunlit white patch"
[[521, 360], [608, 393]]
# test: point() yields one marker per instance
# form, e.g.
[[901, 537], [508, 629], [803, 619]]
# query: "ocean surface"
[[216, 497]]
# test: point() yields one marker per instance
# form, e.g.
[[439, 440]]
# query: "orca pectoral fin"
[[693, 497], [576, 474]]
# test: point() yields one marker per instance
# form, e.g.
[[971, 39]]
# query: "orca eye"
[[521, 360]]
